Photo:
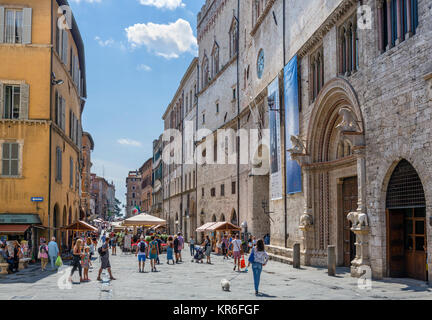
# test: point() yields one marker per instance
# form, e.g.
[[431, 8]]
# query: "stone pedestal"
[[362, 251]]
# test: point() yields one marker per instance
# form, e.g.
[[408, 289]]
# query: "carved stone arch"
[[336, 94]]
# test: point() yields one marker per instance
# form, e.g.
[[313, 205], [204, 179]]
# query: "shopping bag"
[[59, 262], [242, 262]]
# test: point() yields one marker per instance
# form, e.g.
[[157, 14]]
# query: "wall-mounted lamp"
[[55, 82]]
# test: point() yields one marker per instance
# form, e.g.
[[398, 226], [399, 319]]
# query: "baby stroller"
[[199, 254]]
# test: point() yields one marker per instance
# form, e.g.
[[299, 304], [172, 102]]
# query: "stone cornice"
[[262, 17], [331, 21], [347, 161]]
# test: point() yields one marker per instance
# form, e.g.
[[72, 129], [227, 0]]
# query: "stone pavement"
[[191, 281]]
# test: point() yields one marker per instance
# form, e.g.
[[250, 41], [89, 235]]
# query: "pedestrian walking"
[[258, 259], [105, 263], [170, 250], [53, 252], [159, 241], [192, 246], [86, 263], [141, 253], [16, 255], [181, 245], [237, 252], [114, 244], [76, 262], [176, 248], [154, 249], [225, 246], [43, 255], [208, 249]]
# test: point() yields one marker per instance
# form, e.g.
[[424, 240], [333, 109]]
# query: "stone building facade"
[[146, 185], [103, 194], [133, 192], [157, 176], [87, 147]]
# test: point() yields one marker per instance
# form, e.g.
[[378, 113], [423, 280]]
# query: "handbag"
[[252, 256], [242, 262], [59, 262]]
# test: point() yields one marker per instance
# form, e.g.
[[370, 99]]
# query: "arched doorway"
[[234, 217], [214, 218], [222, 219], [406, 224]]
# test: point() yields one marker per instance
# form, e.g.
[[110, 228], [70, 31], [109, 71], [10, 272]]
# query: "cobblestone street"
[[192, 281]]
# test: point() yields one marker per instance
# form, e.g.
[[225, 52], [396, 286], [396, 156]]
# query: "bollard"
[[331, 260], [296, 256]]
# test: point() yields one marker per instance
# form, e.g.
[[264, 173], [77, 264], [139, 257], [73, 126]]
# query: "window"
[[213, 192], [14, 26], [202, 192], [203, 118], [348, 47], [195, 93], [316, 74], [397, 21], [10, 159], [233, 36], [60, 107], [215, 60], [234, 94], [205, 72], [62, 44], [12, 102], [58, 164], [233, 187], [222, 190], [71, 165], [257, 10]]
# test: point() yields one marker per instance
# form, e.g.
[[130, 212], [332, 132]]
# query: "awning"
[[13, 228], [223, 226], [144, 220], [204, 227], [19, 218], [80, 226]]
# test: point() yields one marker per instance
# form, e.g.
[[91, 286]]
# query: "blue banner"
[[291, 93]]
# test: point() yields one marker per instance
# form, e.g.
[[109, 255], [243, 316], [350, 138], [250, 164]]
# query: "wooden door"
[[415, 243], [350, 198], [396, 243]]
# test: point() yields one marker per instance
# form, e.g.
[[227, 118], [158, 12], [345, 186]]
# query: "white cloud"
[[129, 142], [160, 4], [89, 1], [165, 40], [104, 43], [143, 67]]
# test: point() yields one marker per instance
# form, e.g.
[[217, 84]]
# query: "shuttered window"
[[71, 173], [12, 102], [58, 164], [10, 159], [15, 25], [60, 111]]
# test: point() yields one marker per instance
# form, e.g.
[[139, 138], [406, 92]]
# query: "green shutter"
[[63, 114], [2, 24], [1, 99], [24, 101], [27, 26]]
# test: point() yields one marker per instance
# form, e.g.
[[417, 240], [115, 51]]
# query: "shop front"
[[22, 228]]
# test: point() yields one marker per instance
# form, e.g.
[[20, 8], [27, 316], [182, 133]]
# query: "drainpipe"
[[238, 112], [194, 144], [284, 135], [50, 128]]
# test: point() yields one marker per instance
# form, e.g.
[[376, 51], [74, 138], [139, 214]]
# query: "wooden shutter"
[[65, 46], [24, 101], [1, 99], [2, 24], [27, 25], [63, 115]]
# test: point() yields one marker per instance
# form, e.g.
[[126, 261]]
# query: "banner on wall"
[[275, 141], [291, 93]]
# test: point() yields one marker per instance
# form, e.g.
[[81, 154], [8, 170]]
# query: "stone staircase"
[[280, 254]]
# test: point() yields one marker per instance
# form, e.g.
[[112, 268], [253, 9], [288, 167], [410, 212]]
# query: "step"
[[281, 259]]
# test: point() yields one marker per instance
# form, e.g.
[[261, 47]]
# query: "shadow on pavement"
[[412, 285], [30, 275]]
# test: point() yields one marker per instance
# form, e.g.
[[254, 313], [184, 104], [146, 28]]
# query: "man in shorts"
[[141, 252], [237, 251], [105, 263]]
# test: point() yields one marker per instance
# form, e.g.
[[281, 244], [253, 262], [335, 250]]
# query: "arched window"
[[214, 218], [205, 71], [215, 59], [234, 217], [233, 36]]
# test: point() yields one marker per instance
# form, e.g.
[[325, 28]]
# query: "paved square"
[[190, 281]]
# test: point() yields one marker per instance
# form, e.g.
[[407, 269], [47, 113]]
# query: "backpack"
[[43, 249], [142, 247], [101, 253], [153, 248]]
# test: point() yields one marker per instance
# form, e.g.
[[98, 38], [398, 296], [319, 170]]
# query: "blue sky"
[[136, 54]]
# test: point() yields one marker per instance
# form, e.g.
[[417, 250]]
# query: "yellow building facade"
[[42, 92]]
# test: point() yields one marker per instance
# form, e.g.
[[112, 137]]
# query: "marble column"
[[399, 22], [409, 20], [381, 26]]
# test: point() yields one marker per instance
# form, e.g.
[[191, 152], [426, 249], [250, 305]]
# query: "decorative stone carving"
[[349, 121], [359, 220], [298, 146], [306, 220]]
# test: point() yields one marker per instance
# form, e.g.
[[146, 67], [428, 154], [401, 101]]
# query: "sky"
[[136, 54]]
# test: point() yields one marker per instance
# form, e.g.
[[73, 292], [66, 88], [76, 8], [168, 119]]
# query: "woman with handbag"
[[258, 258]]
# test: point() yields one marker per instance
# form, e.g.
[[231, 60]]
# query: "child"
[[86, 263]]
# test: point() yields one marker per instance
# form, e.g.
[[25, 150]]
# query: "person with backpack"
[[154, 253], [176, 248], [43, 255], [237, 252], [141, 253], [105, 263]]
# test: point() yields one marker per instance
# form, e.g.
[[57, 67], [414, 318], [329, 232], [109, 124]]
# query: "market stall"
[[216, 229], [143, 220]]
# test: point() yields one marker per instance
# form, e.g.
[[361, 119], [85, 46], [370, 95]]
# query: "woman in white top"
[[258, 258]]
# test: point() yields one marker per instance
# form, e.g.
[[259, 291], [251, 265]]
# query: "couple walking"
[[150, 250]]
